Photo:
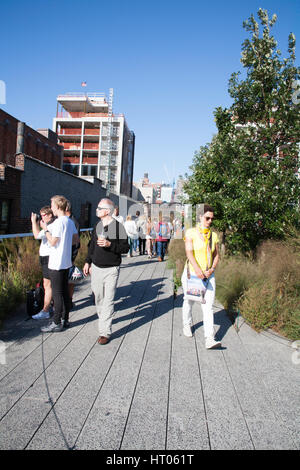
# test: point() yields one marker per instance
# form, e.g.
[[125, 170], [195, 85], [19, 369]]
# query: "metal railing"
[[82, 95], [23, 235]]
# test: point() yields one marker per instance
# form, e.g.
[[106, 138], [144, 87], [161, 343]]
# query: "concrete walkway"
[[150, 387]]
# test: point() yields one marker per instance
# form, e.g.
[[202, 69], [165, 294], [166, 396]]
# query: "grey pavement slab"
[[187, 421], [150, 387], [226, 424]]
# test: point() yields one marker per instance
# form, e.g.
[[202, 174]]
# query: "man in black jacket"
[[108, 242]]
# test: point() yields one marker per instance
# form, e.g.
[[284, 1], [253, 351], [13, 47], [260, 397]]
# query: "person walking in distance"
[[201, 245], [108, 242], [149, 235], [163, 235], [61, 235], [132, 234], [47, 217]]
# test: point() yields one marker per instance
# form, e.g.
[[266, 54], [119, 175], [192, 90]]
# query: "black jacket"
[[111, 256]]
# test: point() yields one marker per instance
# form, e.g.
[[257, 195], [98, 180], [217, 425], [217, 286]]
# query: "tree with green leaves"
[[249, 172]]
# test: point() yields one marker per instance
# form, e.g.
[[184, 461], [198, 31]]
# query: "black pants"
[[60, 294], [142, 244]]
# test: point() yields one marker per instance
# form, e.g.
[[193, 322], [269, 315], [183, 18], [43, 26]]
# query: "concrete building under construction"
[[97, 142]]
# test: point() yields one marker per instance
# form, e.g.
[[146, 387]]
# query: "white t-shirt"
[[44, 246], [60, 256], [131, 230]]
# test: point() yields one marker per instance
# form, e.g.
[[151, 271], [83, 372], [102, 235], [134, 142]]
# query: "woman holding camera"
[[46, 215]]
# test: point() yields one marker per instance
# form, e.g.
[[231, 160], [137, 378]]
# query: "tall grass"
[[274, 300], [176, 260], [20, 269], [19, 272], [265, 291]]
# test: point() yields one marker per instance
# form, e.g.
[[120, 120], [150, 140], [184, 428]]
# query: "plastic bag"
[[196, 288]]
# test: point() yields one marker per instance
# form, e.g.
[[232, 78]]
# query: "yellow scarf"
[[206, 234]]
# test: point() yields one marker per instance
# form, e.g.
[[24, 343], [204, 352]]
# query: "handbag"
[[75, 275], [195, 287]]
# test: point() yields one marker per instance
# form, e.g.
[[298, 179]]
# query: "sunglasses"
[[100, 208], [209, 218]]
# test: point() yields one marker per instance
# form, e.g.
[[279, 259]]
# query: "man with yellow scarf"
[[201, 246]]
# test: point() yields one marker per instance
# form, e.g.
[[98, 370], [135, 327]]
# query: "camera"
[[38, 217]]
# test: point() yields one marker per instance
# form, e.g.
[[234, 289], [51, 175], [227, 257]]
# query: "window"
[[4, 216], [86, 212], [93, 170]]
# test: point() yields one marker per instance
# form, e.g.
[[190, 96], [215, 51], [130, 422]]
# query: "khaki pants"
[[104, 283]]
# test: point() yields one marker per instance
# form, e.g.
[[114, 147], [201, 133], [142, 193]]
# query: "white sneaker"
[[52, 328], [187, 331], [41, 315], [211, 343]]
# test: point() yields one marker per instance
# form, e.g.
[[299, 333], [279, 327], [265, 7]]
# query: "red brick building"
[[16, 137]]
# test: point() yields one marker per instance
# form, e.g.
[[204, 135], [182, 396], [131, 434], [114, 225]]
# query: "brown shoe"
[[159, 259], [103, 340]]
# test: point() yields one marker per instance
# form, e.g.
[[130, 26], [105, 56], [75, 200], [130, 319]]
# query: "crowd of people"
[[147, 237], [112, 236]]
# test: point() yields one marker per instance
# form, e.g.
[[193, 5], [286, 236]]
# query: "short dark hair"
[[208, 208], [46, 210]]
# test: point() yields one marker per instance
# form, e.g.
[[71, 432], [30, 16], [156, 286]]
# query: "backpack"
[[164, 231], [35, 300]]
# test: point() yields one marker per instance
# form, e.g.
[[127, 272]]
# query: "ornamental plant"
[[249, 171]]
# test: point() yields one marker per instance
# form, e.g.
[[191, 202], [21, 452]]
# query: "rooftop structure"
[[97, 142]]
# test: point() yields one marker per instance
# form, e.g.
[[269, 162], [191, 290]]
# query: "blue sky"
[[169, 63]]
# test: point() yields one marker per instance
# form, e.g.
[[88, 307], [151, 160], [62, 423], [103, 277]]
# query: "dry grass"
[[266, 291], [176, 261], [273, 302], [234, 276], [20, 269]]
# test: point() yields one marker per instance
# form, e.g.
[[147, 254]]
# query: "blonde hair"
[[61, 202], [128, 217]]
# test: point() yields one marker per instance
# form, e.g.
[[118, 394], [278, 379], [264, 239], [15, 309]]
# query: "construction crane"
[[109, 140]]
